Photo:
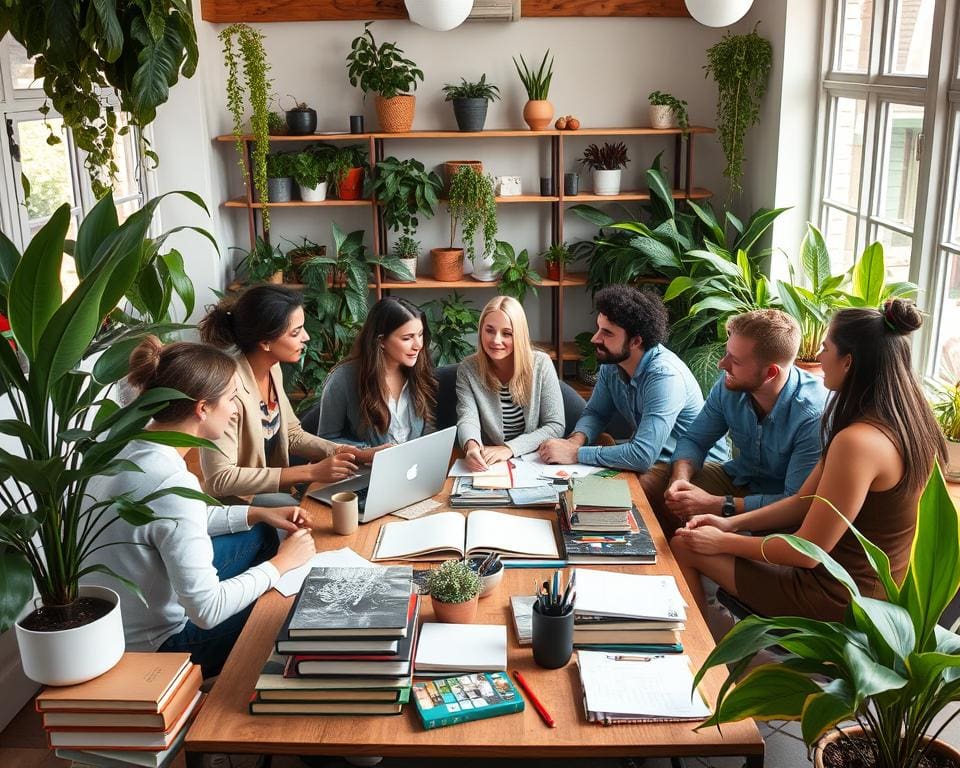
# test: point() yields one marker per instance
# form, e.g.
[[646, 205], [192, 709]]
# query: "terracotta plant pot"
[[276, 278], [450, 168], [396, 113], [553, 270], [447, 264], [940, 748], [352, 186], [810, 367], [538, 114], [455, 613]]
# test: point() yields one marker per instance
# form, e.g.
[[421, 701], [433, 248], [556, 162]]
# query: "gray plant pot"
[[471, 114], [280, 190]]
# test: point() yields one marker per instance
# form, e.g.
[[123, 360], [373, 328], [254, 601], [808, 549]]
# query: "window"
[[884, 175]]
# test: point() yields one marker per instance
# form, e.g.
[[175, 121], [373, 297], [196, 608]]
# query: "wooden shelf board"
[[490, 134], [241, 202], [698, 193]]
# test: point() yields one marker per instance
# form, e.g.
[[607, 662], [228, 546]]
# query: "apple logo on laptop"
[[412, 473]]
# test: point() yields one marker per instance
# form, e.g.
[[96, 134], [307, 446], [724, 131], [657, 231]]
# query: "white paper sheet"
[[631, 595], [461, 647], [291, 581], [558, 470]]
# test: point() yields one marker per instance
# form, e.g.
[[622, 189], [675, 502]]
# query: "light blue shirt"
[[659, 402], [776, 453]]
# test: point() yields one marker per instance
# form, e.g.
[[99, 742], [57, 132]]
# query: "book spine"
[[466, 716]]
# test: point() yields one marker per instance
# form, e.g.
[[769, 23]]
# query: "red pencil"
[[541, 710]]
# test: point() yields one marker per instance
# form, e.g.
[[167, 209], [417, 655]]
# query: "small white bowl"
[[491, 580]]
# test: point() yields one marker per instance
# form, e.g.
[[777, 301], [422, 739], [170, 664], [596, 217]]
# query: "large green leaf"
[[868, 677], [96, 226], [869, 275], [888, 626], [159, 63], [768, 692], [111, 34], [107, 570], [706, 215], [179, 279], [815, 552], [593, 215], [660, 189], [814, 258], [9, 260], [824, 710], [758, 224], [16, 585], [723, 265]]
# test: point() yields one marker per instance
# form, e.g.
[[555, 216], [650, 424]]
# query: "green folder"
[[592, 492]]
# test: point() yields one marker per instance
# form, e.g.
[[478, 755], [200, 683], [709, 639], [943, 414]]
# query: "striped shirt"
[[270, 418], [511, 414]]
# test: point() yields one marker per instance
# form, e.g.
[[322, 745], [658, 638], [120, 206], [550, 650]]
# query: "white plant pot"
[[74, 655], [606, 182], [661, 116], [411, 265], [483, 269], [952, 471], [317, 195]]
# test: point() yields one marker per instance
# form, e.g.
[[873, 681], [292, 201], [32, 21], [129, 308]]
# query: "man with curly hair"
[[643, 381]]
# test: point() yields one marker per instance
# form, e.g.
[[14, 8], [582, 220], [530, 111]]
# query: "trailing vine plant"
[[739, 65], [83, 48], [250, 54], [473, 205]]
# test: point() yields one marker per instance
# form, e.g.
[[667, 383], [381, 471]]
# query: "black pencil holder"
[[552, 638], [356, 123]]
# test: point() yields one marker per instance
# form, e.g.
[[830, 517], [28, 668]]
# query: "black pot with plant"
[[470, 101], [281, 169], [301, 119]]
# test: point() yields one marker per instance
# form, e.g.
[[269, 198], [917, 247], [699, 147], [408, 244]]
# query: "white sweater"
[[171, 560]]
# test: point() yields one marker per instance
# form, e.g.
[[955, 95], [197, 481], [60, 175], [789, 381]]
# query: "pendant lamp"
[[439, 15], [715, 13]]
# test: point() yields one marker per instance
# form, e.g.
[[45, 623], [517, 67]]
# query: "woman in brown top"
[[880, 443]]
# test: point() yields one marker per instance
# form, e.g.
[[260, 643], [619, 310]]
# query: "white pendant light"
[[715, 13], [439, 15]]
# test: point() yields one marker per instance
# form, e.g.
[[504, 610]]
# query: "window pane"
[[948, 345], [901, 165], [846, 154], [953, 225], [46, 167], [896, 253], [854, 35], [21, 68], [913, 29], [840, 234], [127, 158]]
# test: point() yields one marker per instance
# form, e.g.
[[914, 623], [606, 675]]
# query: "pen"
[[541, 710], [555, 594], [620, 657]]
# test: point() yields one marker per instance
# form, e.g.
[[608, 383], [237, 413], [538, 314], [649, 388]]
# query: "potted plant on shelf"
[[587, 365], [297, 257], [887, 664], [264, 263], [470, 102], [310, 173], [406, 250], [537, 112], [945, 401], [384, 71], [556, 256], [451, 320], [69, 429], [473, 205], [514, 270], [345, 167], [455, 592], [607, 163], [667, 111], [406, 190], [301, 119], [280, 173], [276, 124]]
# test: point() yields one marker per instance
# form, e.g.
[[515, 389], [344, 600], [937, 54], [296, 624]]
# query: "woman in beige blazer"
[[265, 323]]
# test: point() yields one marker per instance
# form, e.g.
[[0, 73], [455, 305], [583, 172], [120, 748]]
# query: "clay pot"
[[940, 747], [450, 168], [352, 185], [538, 114], [447, 264], [553, 270], [810, 367], [456, 613], [396, 113]]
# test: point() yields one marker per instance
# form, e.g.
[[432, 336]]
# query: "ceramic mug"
[[345, 512]]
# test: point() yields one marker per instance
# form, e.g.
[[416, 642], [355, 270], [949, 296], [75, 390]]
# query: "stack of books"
[[135, 714], [346, 646], [627, 613]]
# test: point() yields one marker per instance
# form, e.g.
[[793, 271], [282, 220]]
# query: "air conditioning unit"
[[495, 10]]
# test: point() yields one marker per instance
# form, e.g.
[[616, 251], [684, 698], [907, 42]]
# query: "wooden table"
[[224, 724]]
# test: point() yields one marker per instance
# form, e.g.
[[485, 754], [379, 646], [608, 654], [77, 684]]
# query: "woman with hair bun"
[[200, 568], [265, 325], [880, 442]]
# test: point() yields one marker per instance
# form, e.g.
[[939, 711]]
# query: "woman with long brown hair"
[[385, 390], [880, 443]]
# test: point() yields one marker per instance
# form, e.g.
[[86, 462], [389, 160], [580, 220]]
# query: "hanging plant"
[[138, 48], [250, 54], [739, 65]]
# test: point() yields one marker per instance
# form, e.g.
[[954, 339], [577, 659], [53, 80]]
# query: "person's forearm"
[[578, 439], [765, 550], [786, 514], [303, 473], [682, 470]]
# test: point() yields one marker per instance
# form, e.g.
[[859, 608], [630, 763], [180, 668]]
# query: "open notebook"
[[439, 536]]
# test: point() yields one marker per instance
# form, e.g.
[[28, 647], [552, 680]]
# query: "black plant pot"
[[471, 114], [280, 190], [302, 121]]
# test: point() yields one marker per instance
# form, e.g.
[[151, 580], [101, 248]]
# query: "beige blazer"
[[241, 469]]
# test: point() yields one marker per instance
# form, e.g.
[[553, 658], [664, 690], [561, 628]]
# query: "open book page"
[[624, 686], [434, 535], [497, 475], [510, 534], [631, 595], [565, 471]]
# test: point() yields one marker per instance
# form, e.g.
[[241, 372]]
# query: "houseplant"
[[607, 163], [406, 250], [470, 102], [887, 664], [69, 430], [383, 70], [945, 401], [310, 173], [868, 281], [251, 56], [264, 263], [451, 320], [301, 118], [406, 190], [281, 169], [455, 592], [86, 47], [514, 270], [537, 112], [667, 111], [345, 167], [587, 365], [473, 205], [297, 257], [740, 65], [276, 124], [556, 257]]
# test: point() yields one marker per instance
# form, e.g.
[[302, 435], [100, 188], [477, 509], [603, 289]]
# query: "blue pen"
[[556, 586]]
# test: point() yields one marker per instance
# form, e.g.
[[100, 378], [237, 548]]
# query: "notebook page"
[[505, 533], [641, 596], [434, 533]]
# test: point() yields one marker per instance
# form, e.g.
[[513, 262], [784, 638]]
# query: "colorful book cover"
[[453, 700], [607, 547]]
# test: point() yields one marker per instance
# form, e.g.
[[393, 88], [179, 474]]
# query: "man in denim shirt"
[[642, 380], [772, 411]]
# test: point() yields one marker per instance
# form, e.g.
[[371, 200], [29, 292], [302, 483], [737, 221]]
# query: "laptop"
[[398, 477]]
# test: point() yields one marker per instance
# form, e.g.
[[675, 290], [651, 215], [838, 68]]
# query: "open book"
[[439, 536]]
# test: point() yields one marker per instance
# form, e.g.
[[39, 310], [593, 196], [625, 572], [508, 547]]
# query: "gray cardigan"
[[340, 418], [478, 408]]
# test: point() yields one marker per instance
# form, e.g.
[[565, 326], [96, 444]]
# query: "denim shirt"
[[777, 453], [659, 401]]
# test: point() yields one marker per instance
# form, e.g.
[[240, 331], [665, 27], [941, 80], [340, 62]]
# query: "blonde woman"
[[508, 394]]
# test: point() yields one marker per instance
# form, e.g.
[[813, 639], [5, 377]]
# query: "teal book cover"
[[453, 700]]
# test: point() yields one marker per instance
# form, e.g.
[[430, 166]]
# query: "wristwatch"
[[729, 509]]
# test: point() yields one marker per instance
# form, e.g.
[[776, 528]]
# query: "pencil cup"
[[571, 183], [345, 512], [552, 638]]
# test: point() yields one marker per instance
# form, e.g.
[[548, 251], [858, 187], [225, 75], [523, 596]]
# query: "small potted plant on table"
[[667, 111], [455, 592], [470, 102], [607, 163]]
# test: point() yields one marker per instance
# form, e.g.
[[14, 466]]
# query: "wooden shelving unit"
[[559, 350]]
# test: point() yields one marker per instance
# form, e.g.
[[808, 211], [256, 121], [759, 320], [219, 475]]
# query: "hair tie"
[[888, 317]]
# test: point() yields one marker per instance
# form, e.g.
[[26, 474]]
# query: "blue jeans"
[[233, 553]]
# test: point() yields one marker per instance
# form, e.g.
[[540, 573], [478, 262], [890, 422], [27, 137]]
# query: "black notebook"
[[586, 547]]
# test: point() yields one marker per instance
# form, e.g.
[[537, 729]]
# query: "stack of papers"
[[446, 649]]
